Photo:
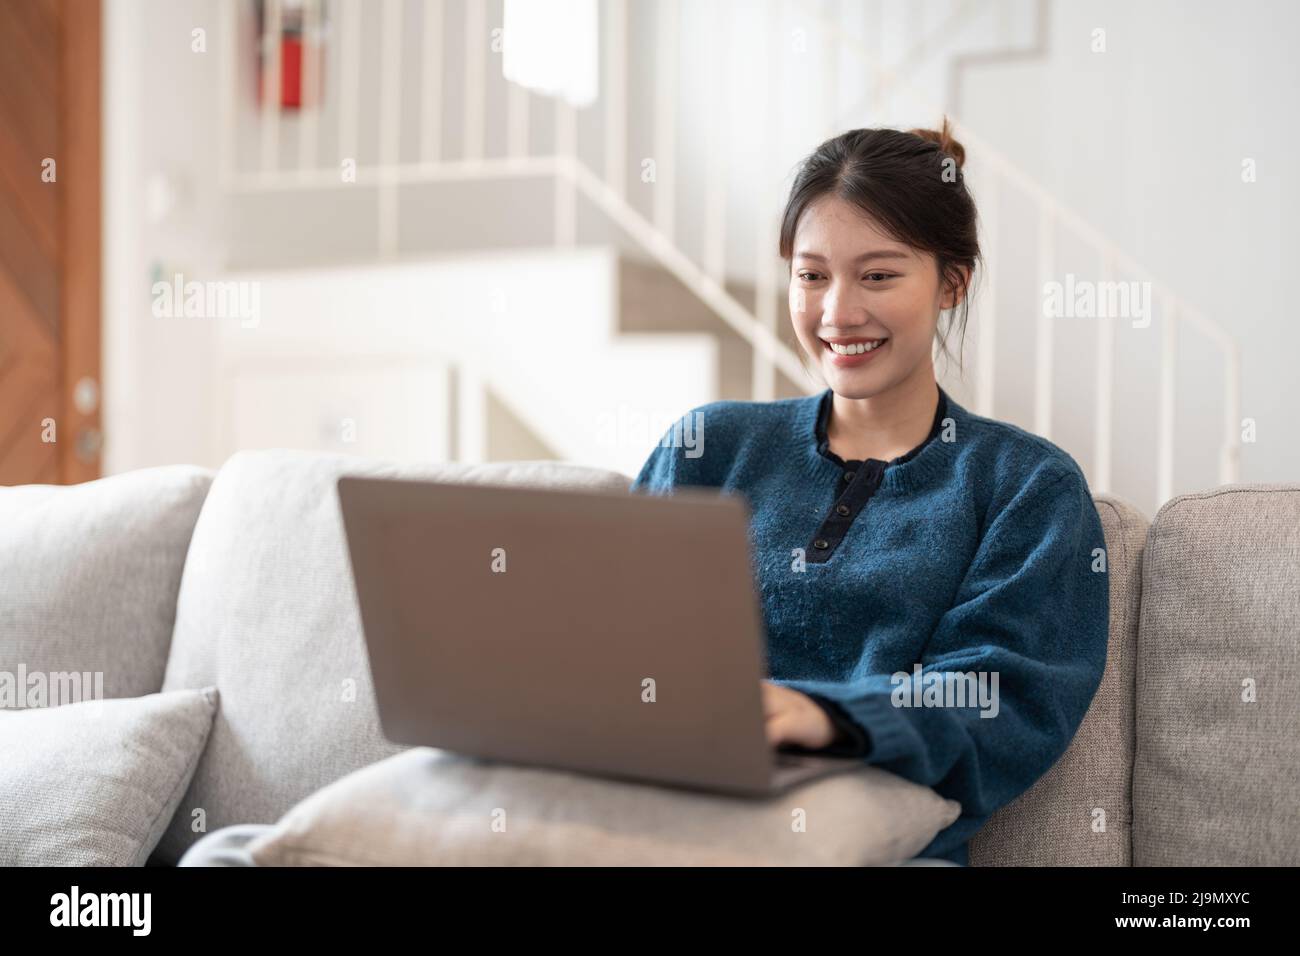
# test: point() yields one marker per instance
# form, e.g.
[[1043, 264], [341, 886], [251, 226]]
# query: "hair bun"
[[943, 137]]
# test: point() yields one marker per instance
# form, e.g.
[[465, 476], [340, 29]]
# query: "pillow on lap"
[[428, 807]]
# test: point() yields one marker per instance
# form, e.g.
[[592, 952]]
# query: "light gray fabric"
[[225, 847], [268, 614], [1217, 778], [95, 783], [90, 574], [428, 807], [1080, 812], [928, 861]]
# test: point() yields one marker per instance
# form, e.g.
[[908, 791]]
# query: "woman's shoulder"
[[1014, 462], [1027, 490], [730, 422], [744, 412], [705, 441]]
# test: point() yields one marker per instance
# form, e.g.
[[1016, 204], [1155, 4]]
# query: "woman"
[[933, 582]]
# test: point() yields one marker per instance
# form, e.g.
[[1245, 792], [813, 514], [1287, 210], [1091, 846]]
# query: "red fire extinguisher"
[[301, 51]]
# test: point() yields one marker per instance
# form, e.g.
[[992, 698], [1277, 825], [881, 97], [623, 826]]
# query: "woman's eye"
[[808, 276], [879, 276]]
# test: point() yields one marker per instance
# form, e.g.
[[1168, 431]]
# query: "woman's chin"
[[856, 381]]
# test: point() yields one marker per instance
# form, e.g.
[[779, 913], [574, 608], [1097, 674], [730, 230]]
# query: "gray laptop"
[[611, 633]]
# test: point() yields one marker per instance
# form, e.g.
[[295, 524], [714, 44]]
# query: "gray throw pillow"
[[96, 783]]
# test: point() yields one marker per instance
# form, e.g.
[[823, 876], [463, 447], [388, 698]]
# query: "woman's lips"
[[852, 361]]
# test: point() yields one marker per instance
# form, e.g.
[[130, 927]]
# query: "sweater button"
[[820, 544], [842, 509], [848, 476]]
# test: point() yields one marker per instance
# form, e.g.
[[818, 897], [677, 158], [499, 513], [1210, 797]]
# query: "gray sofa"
[[1189, 754]]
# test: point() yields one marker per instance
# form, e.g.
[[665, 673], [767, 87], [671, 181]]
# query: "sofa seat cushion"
[[428, 807]]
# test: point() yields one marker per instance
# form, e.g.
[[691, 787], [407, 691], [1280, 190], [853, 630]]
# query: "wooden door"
[[49, 241]]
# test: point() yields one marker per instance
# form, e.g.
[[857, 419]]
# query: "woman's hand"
[[793, 718]]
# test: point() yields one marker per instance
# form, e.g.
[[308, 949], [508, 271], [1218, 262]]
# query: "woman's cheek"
[[799, 299], [809, 307]]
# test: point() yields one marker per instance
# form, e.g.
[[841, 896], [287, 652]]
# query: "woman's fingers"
[[780, 728], [792, 718], [785, 721], [772, 698]]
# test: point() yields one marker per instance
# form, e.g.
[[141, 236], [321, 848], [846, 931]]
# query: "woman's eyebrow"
[[879, 254]]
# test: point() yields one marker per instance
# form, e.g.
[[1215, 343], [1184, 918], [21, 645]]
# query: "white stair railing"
[[993, 175]]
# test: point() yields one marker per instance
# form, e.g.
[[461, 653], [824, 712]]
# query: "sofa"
[[1189, 754]]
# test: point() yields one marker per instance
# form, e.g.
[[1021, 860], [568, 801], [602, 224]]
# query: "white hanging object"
[[551, 47]]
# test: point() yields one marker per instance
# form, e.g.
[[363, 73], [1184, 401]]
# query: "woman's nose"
[[839, 309]]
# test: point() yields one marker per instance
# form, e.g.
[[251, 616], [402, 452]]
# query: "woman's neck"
[[884, 426]]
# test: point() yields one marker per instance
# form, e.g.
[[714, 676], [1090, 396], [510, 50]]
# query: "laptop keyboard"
[[792, 760]]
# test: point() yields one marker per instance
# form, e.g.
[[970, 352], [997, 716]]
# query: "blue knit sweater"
[[975, 564]]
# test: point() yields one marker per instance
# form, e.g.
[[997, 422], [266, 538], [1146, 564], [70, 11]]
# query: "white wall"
[[159, 129], [1147, 139]]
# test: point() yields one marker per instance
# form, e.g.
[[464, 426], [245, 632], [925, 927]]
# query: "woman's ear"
[[956, 284]]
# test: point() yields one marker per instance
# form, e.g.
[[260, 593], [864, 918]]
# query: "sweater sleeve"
[[850, 738], [1033, 613]]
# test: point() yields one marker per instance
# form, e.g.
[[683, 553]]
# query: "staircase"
[[427, 356], [682, 263]]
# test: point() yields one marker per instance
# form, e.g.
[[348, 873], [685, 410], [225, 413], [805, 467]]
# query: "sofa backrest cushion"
[[267, 614], [88, 580], [1218, 681], [1080, 812]]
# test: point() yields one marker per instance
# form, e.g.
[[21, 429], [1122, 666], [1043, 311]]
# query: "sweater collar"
[[929, 460]]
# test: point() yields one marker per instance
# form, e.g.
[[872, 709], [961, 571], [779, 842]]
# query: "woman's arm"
[[659, 473], [1032, 616]]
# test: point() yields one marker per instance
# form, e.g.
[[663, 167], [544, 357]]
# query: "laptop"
[[611, 633]]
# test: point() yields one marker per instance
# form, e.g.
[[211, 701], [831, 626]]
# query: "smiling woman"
[[902, 542], [880, 232]]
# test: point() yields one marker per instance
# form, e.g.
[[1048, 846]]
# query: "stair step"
[[652, 299]]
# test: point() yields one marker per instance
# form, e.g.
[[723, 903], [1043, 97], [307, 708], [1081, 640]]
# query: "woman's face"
[[853, 286]]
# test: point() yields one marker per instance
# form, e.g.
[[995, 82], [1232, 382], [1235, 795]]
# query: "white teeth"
[[857, 348]]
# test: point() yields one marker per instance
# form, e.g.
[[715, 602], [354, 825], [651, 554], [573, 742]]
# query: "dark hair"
[[911, 184]]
